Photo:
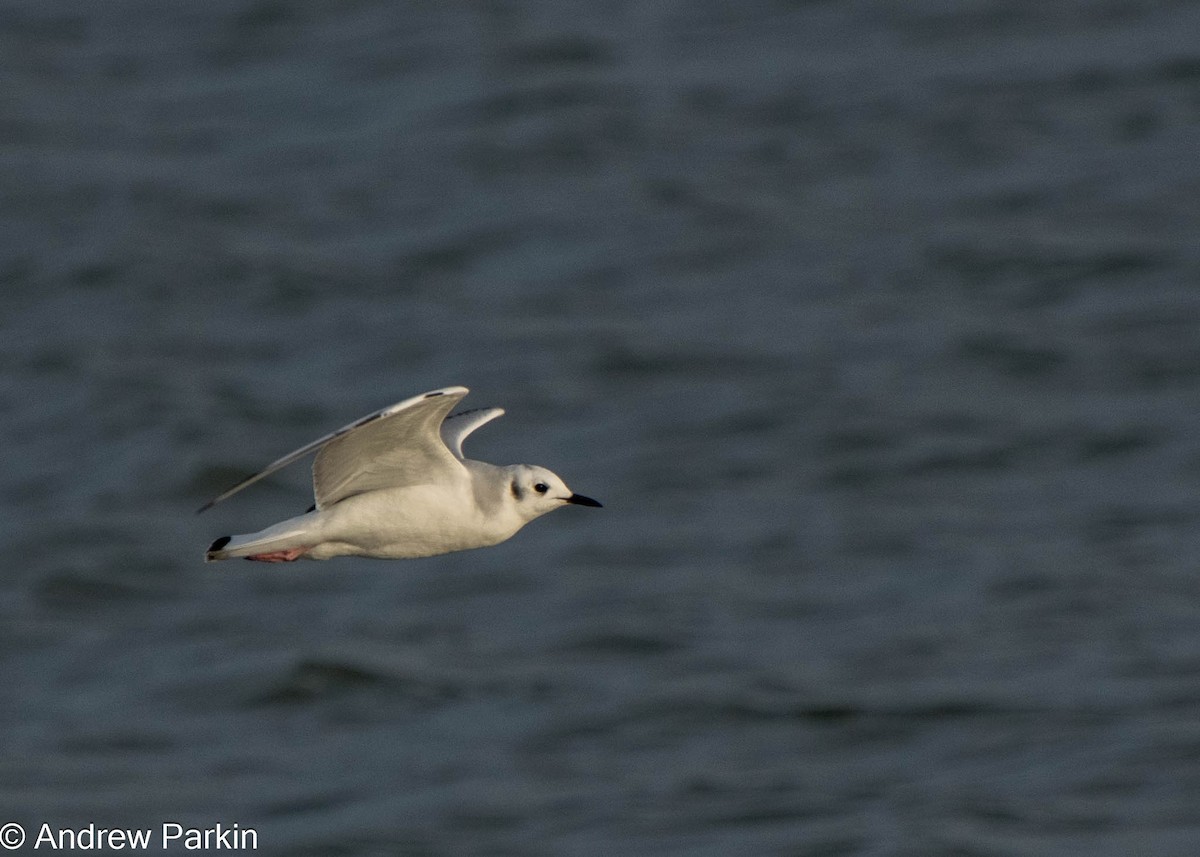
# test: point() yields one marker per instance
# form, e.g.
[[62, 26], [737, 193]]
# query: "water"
[[874, 327]]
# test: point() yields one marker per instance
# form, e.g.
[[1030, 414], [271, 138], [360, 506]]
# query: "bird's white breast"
[[409, 522]]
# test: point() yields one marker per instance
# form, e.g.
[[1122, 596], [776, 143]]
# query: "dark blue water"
[[874, 325]]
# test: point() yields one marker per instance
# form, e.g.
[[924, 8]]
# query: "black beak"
[[580, 500]]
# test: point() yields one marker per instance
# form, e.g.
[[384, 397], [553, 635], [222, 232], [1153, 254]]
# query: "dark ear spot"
[[516, 490], [219, 543]]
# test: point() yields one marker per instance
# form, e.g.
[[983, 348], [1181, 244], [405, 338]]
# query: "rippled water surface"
[[874, 325]]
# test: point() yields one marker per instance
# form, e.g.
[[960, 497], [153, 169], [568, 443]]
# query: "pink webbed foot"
[[287, 555]]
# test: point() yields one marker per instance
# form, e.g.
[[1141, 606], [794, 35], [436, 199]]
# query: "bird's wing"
[[457, 426], [401, 446], [397, 445]]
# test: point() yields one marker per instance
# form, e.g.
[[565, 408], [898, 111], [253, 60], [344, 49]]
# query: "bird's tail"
[[284, 541]]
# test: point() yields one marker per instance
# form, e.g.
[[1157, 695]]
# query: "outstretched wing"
[[388, 446], [457, 426], [401, 447]]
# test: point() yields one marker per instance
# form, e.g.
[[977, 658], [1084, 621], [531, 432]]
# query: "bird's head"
[[536, 491]]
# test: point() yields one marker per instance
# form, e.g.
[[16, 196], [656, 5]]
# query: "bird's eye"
[[541, 488]]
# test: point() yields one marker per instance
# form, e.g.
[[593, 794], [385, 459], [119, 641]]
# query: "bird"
[[396, 485]]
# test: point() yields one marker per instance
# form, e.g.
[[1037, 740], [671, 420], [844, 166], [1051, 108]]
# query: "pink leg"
[[287, 555]]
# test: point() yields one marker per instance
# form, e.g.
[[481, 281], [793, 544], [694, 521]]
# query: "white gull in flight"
[[395, 485]]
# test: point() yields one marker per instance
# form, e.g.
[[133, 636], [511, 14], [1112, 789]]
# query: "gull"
[[395, 485]]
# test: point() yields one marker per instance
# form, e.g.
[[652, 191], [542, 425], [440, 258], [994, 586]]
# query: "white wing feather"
[[457, 426], [404, 447], [340, 469]]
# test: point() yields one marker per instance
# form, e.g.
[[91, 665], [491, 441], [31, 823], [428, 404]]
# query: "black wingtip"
[[219, 543], [205, 507]]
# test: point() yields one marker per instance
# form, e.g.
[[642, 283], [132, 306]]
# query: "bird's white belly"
[[406, 523]]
